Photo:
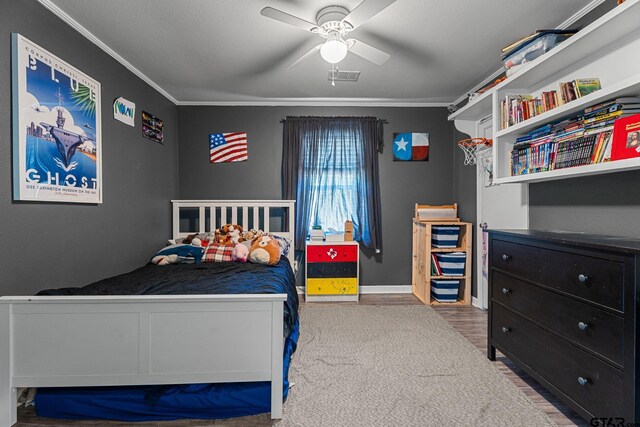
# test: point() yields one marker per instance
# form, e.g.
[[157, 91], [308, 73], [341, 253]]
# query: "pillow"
[[178, 254], [218, 253], [284, 242]]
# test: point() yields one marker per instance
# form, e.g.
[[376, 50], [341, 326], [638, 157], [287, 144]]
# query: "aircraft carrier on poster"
[[66, 140]]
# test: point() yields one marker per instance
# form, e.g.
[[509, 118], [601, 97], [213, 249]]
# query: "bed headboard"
[[202, 216]]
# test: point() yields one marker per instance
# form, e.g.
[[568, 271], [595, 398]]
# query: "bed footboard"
[[60, 341]]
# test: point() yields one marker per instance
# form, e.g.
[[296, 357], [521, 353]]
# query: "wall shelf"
[[605, 49]]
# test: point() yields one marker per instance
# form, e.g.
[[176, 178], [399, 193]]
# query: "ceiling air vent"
[[343, 76]]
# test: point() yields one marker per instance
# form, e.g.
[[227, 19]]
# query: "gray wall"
[[401, 184], [48, 245], [464, 180], [602, 204]]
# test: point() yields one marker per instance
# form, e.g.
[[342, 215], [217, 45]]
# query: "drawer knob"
[[506, 257], [583, 278], [583, 381], [506, 330], [506, 291], [583, 326]]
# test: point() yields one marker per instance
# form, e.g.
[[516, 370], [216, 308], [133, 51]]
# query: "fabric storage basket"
[[452, 264], [445, 236], [445, 290]]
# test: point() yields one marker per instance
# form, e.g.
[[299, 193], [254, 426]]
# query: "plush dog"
[[264, 250]]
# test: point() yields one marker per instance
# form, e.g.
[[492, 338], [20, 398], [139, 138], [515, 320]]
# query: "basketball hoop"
[[471, 148]]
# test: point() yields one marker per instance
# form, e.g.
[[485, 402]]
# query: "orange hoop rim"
[[471, 142]]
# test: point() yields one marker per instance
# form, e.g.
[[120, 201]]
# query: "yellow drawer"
[[332, 286]]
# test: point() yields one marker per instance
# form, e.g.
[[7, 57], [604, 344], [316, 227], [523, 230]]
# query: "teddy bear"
[[228, 234], [264, 250]]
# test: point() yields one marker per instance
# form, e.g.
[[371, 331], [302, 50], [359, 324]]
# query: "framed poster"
[[409, 147], [152, 128], [57, 144]]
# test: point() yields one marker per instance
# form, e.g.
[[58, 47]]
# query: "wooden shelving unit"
[[421, 261]]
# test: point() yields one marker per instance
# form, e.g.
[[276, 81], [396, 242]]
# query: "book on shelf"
[[516, 108], [435, 265], [586, 86], [626, 138]]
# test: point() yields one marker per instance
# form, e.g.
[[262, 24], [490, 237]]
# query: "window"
[[335, 185], [330, 167]]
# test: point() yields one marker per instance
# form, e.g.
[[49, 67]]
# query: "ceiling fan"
[[333, 23]]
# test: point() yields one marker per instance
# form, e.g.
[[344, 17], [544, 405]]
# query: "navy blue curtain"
[[330, 167]]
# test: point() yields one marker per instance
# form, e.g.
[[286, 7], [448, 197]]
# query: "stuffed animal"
[[251, 235], [228, 234], [264, 250], [240, 252], [234, 233]]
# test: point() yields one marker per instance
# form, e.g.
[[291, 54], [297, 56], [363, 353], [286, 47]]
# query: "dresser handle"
[[583, 278], [506, 257], [506, 291], [583, 381], [506, 330], [583, 326]]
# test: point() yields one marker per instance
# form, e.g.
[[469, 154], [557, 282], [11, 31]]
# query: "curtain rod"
[[383, 121]]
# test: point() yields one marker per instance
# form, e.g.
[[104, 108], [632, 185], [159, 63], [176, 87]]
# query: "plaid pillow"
[[217, 253]]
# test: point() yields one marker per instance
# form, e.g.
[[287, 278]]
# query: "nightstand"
[[331, 270]]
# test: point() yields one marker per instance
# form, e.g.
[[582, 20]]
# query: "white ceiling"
[[225, 52]]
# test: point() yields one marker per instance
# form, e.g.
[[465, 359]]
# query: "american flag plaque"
[[228, 147]]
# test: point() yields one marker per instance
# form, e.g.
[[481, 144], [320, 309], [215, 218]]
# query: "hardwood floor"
[[468, 321]]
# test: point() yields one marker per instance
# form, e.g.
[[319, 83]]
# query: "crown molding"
[[95, 40], [564, 25], [316, 102]]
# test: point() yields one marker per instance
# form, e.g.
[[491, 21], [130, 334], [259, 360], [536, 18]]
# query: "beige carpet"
[[396, 366]]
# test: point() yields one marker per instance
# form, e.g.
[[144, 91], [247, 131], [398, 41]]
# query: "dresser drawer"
[[598, 330], [332, 269], [560, 362], [589, 277], [332, 286], [332, 253]]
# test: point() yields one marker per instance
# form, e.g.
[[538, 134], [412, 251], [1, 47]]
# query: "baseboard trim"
[[383, 289], [475, 302], [386, 289]]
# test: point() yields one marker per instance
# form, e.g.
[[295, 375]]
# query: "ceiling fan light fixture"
[[334, 51]]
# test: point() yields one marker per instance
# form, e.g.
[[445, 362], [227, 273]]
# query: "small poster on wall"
[[228, 147], [152, 128], [124, 111], [57, 151], [411, 147]]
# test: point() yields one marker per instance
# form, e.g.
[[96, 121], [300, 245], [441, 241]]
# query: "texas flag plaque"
[[410, 146]]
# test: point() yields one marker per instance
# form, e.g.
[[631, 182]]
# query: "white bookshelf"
[[608, 49]]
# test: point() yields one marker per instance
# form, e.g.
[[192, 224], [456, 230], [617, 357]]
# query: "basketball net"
[[472, 147]]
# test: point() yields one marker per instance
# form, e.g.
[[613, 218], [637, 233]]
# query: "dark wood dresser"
[[564, 307]]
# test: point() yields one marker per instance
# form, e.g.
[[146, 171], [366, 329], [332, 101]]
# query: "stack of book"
[[517, 108], [577, 141]]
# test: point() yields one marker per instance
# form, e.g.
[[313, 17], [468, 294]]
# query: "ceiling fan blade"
[[368, 52], [366, 10], [305, 56], [281, 16]]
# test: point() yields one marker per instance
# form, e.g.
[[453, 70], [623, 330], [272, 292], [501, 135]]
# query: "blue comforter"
[[180, 401]]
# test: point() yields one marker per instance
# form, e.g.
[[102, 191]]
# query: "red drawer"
[[332, 253]]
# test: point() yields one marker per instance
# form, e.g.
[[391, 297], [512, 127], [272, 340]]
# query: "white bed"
[[58, 341]]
